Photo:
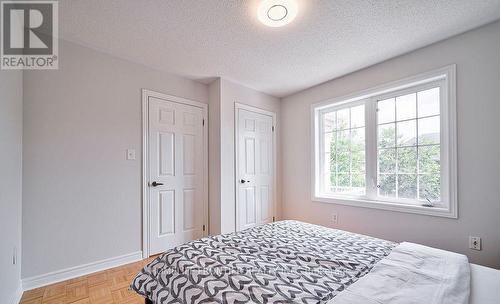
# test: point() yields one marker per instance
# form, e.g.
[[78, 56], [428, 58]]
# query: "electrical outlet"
[[335, 218], [475, 242]]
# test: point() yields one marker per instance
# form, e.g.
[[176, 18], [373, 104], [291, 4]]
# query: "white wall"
[[82, 198], [11, 131], [476, 54], [225, 95]]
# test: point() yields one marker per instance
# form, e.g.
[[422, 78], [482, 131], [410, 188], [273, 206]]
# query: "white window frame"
[[445, 78]]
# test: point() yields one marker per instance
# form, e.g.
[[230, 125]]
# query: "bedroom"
[[255, 88]]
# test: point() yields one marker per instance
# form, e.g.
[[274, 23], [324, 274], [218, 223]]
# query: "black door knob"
[[155, 184], [244, 181]]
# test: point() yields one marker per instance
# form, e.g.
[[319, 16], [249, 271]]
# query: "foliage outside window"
[[408, 146], [344, 139]]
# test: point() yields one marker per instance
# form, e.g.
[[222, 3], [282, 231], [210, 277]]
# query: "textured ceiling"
[[202, 39]]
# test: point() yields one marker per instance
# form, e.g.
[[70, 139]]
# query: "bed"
[[296, 262]]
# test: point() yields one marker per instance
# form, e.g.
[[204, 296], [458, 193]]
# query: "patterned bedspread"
[[282, 262]]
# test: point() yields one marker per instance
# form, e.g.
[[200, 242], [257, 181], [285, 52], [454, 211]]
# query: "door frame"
[[146, 94], [241, 106]]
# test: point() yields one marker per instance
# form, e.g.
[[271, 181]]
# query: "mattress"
[[282, 262], [484, 285]]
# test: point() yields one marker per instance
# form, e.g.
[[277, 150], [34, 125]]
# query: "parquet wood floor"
[[104, 287]]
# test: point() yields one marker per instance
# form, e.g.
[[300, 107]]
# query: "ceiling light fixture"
[[276, 13]]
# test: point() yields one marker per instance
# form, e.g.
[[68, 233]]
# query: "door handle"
[[155, 184], [244, 181]]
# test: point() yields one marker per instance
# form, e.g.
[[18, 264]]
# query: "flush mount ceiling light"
[[277, 13]]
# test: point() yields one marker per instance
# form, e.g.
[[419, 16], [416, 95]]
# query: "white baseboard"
[[16, 297], [77, 271]]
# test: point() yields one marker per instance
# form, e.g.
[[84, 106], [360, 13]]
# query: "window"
[[392, 147], [344, 149]]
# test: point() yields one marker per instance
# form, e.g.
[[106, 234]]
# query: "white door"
[[176, 174], [255, 169]]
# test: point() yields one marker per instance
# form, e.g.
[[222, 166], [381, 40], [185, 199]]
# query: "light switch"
[[130, 154]]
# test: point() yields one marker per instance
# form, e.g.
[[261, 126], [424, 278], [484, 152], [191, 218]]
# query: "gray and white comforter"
[[282, 262]]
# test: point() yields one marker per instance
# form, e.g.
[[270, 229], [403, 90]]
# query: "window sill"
[[365, 203]]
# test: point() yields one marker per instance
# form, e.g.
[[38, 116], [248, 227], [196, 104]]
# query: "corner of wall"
[[11, 116], [214, 93]]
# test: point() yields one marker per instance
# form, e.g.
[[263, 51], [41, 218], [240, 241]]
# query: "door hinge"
[[273, 128], [203, 227], [203, 122]]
